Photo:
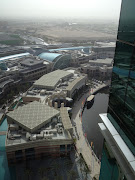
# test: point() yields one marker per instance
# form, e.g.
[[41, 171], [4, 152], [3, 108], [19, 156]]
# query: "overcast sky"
[[99, 9]]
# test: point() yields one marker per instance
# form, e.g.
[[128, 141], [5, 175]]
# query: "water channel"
[[90, 120]]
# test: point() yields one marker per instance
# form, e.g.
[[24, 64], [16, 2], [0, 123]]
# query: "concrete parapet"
[[55, 105], [62, 104], [48, 100], [50, 103]]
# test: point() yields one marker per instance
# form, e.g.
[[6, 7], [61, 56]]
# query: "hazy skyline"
[[98, 9]]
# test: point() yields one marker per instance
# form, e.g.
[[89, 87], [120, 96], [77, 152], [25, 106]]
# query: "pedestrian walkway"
[[83, 147], [98, 87], [82, 143]]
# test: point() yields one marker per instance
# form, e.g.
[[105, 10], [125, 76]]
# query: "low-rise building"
[[40, 126], [20, 69], [57, 87], [32, 69], [36, 130], [100, 68], [7, 83]]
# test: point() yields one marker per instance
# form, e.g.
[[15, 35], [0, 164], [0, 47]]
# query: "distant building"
[[6, 83], [59, 61], [40, 126], [32, 69], [118, 125], [20, 68], [7, 51], [100, 68], [60, 86]]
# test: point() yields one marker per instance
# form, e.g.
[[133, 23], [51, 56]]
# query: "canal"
[[90, 120]]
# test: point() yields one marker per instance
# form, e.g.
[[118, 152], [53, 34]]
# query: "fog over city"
[[97, 9]]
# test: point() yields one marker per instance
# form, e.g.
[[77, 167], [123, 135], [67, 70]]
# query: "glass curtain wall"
[[121, 110]]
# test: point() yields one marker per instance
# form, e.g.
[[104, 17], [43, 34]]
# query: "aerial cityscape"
[[67, 90]]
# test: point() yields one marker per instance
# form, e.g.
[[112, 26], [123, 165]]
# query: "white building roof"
[[32, 116], [50, 80], [102, 61]]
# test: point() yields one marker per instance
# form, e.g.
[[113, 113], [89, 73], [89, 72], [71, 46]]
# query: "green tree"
[[59, 177], [44, 178], [28, 173], [41, 172], [72, 175], [86, 171], [81, 163], [55, 167], [68, 163]]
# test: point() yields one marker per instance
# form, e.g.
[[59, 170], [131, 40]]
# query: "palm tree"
[[55, 167], [28, 172], [41, 172], [72, 175], [44, 178], [86, 171], [59, 177], [68, 163], [81, 163]]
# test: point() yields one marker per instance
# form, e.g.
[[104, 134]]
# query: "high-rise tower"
[[118, 127]]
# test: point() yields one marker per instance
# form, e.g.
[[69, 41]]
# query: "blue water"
[[2, 142], [90, 120], [4, 169], [4, 126]]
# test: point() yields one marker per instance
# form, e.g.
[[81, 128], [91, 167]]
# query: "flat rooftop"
[[100, 61], [32, 116], [50, 80], [31, 62], [73, 83], [65, 118]]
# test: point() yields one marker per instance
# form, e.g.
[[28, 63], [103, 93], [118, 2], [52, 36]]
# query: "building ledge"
[[121, 151]]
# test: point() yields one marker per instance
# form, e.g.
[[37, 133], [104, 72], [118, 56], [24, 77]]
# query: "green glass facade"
[[62, 62], [121, 110], [121, 107], [126, 30], [110, 169]]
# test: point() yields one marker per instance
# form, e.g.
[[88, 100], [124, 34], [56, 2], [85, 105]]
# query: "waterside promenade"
[[84, 148], [82, 144]]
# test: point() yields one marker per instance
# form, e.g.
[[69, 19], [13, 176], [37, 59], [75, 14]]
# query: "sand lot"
[[80, 34]]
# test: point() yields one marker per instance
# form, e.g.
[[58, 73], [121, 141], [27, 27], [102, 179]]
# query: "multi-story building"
[[37, 130], [118, 127], [32, 69], [40, 126], [60, 86], [100, 68]]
